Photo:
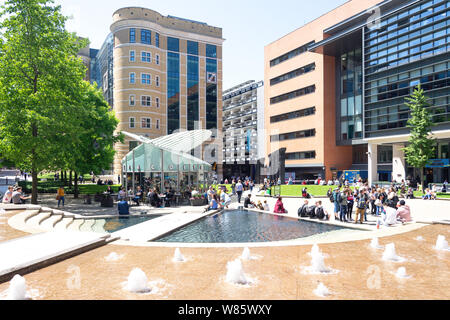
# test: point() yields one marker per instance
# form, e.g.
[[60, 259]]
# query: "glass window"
[[173, 44], [132, 56], [146, 101], [146, 56], [132, 35], [211, 51], [146, 36], [192, 47], [157, 81], [157, 39], [343, 107], [132, 99], [146, 78], [132, 77], [157, 102], [146, 123], [157, 59], [131, 122]]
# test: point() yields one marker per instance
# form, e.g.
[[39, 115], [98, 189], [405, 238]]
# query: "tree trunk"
[[70, 178], [422, 181], [34, 185], [75, 192]]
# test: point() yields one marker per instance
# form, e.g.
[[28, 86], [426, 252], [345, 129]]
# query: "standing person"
[[350, 202], [239, 190], [361, 205], [343, 205], [7, 198], [233, 187], [60, 196], [337, 206]]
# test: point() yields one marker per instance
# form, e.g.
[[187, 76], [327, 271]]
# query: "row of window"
[[145, 57], [293, 135], [291, 54], [146, 37], [146, 123], [173, 44], [146, 101], [428, 25], [293, 74], [408, 16], [300, 155], [146, 78], [293, 94], [293, 115], [417, 46]]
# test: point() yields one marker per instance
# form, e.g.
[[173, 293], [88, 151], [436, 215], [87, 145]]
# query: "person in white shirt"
[[8, 195], [266, 206], [225, 200], [390, 218]]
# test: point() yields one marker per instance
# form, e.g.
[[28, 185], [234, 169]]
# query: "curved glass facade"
[[173, 92]]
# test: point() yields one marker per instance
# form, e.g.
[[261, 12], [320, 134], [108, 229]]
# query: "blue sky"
[[247, 25]]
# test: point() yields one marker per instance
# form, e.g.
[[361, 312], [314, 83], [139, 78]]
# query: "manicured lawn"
[[51, 176]]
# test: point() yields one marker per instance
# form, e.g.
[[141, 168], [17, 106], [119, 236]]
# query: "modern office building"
[[341, 82], [243, 129], [162, 74]]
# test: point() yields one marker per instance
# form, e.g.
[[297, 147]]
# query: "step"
[[63, 223], [36, 220], [18, 221], [98, 226], [75, 225], [49, 223], [87, 225]]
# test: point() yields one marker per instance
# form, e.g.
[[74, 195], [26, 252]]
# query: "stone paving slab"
[[24, 254]]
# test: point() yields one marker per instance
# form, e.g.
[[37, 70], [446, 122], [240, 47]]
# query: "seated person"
[[138, 195], [303, 209], [266, 206], [410, 194], [213, 205], [305, 193], [390, 216], [123, 207], [18, 197], [225, 199], [109, 190], [122, 194], [279, 207], [428, 195], [320, 211], [7, 198], [169, 196], [248, 203], [403, 212], [154, 198]]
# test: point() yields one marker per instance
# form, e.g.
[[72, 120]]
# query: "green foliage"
[[50, 118], [420, 148], [52, 187]]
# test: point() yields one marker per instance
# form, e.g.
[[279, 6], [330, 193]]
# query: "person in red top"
[[279, 208]]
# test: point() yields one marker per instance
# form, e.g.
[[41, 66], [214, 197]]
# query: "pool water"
[[122, 222], [232, 226]]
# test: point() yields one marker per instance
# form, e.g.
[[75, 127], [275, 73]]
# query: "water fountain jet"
[[441, 243], [17, 288], [235, 272], [178, 257], [389, 253], [137, 281]]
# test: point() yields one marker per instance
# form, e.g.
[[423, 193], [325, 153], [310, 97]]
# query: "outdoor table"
[[107, 200]]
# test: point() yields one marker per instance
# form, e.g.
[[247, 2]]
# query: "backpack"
[[361, 203], [302, 211], [320, 213], [310, 211]]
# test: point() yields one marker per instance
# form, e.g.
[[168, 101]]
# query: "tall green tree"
[[420, 148], [40, 78], [94, 150]]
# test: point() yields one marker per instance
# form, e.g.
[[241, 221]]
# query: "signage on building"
[[211, 77], [438, 163]]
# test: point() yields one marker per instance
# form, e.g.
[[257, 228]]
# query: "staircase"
[[46, 219]]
